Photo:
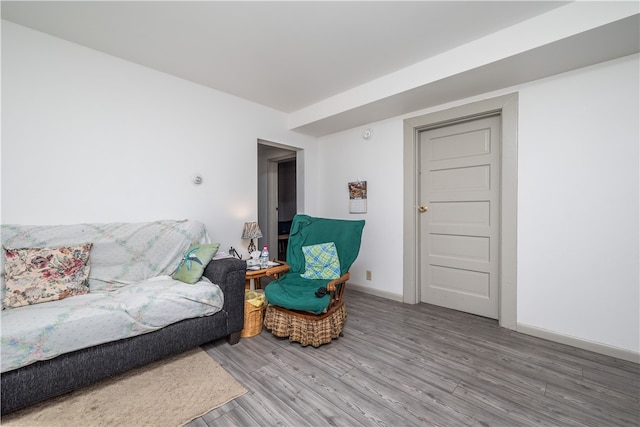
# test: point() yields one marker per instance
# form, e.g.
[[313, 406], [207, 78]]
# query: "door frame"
[[267, 185], [273, 198], [507, 107]]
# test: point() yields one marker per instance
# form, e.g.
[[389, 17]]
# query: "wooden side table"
[[256, 275]]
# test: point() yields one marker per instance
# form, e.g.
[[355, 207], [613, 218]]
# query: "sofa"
[[117, 296]]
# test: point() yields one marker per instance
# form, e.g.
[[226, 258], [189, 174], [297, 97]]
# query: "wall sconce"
[[251, 231]]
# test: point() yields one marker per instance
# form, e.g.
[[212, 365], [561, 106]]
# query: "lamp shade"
[[251, 230]]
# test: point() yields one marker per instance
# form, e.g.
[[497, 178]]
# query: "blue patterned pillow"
[[321, 261]]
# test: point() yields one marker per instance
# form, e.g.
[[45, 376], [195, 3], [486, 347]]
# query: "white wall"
[[578, 202], [346, 157], [87, 137], [578, 247]]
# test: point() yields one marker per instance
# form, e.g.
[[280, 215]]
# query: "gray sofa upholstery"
[[48, 378]]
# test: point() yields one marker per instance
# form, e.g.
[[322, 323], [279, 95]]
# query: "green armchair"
[[306, 304]]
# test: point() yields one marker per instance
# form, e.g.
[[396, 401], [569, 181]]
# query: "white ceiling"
[[287, 55]]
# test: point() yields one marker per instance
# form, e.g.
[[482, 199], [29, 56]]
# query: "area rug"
[[170, 392]]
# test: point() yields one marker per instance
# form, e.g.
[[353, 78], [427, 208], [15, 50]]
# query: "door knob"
[[423, 209]]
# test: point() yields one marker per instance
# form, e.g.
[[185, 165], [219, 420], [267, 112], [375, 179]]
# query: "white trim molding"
[[377, 292], [617, 352]]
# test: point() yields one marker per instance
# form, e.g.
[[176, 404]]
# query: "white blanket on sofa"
[[131, 291], [122, 253], [43, 331]]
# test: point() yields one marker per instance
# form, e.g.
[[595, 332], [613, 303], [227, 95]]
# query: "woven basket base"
[[252, 320], [305, 330]]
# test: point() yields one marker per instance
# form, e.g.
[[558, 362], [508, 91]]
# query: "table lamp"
[[251, 231]]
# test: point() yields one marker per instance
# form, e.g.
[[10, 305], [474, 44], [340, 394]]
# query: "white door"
[[459, 219]]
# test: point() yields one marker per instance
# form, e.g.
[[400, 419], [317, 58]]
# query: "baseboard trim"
[[619, 353], [376, 292]]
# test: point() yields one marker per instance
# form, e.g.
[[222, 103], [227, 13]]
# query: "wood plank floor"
[[422, 365]]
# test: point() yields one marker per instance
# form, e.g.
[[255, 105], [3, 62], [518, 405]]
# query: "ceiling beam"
[[571, 37]]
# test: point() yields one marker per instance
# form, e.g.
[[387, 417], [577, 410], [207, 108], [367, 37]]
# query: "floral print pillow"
[[35, 275]]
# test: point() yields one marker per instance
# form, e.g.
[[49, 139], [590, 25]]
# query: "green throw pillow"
[[194, 262], [321, 261]]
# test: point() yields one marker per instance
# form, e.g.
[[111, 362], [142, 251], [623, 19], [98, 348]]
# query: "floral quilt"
[[130, 289], [43, 331]]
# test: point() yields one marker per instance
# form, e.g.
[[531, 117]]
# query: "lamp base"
[[252, 247]]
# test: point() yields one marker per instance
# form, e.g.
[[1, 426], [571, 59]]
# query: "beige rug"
[[170, 392]]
